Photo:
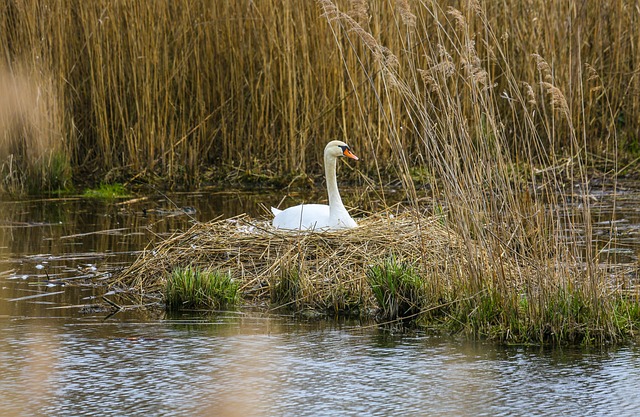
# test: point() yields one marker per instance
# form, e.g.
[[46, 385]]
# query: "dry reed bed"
[[163, 88], [332, 266]]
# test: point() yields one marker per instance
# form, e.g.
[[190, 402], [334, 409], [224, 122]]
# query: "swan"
[[320, 216]]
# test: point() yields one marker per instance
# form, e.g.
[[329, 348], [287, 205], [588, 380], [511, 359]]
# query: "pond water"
[[60, 357]]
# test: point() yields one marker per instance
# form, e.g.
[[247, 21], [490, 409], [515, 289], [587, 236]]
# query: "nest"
[[331, 267]]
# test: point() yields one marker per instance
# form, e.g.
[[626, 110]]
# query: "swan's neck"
[[335, 202]]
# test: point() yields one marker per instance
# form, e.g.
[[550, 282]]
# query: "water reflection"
[[44, 244], [253, 365]]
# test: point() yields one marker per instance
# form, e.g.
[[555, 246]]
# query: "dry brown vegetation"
[[327, 263], [31, 143], [166, 89], [394, 267]]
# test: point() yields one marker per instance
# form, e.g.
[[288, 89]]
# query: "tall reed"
[[175, 92], [506, 136]]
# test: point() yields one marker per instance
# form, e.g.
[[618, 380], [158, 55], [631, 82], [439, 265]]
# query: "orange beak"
[[347, 152]]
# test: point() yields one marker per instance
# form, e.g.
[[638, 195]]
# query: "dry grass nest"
[[331, 267]]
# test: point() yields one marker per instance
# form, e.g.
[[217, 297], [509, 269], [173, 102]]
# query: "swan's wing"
[[275, 211], [303, 217]]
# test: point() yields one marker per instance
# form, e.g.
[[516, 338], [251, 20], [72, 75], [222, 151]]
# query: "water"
[[59, 356], [251, 365]]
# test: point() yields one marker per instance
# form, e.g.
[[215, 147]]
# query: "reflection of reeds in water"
[[248, 381], [31, 363], [77, 241], [67, 227]]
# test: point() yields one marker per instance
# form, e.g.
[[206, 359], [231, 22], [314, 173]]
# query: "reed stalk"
[[484, 124]]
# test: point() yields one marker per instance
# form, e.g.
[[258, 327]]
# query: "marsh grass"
[[195, 288], [398, 289], [32, 148]]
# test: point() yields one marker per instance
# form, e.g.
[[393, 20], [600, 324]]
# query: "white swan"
[[320, 216]]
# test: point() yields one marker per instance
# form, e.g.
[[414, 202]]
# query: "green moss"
[[107, 191], [421, 175]]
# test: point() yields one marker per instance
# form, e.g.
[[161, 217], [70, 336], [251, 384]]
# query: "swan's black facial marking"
[[344, 148], [346, 151]]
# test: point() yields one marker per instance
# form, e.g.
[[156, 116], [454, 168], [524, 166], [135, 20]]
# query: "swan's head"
[[337, 148]]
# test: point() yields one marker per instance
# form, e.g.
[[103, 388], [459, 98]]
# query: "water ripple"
[[267, 367]]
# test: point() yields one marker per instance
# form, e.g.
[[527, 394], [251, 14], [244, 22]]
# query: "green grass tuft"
[[397, 288], [194, 288]]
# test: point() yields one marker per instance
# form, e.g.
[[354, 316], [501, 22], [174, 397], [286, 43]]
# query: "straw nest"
[[331, 267]]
